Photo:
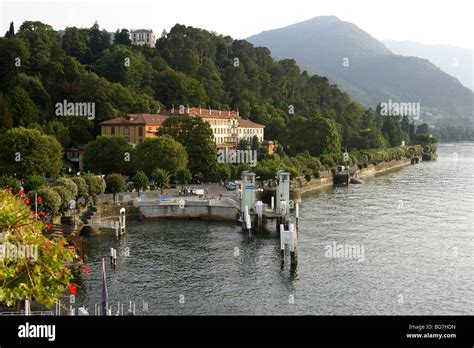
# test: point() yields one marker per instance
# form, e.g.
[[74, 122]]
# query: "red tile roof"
[[137, 119], [249, 124], [157, 119]]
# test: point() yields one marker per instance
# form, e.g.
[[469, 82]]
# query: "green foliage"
[[125, 66], [122, 37], [317, 135], [108, 154], [184, 176], [10, 183], [140, 181], [175, 88], [57, 129], [69, 184], [162, 152], [23, 109], [197, 138], [95, 184], [161, 177], [65, 195], [115, 183], [82, 188], [42, 280], [51, 200], [29, 152], [33, 182]]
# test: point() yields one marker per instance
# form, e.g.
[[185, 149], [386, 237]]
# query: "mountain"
[[367, 70], [456, 61]]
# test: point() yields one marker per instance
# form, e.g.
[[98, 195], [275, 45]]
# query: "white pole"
[[297, 210], [273, 203], [36, 206], [27, 307]]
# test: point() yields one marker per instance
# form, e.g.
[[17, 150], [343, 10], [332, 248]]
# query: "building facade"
[[143, 37], [228, 128]]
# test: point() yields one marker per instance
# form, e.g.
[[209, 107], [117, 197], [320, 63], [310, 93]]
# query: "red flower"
[[27, 200], [39, 200], [72, 288], [21, 192], [86, 271], [48, 226]]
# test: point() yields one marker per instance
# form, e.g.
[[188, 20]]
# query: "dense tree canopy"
[[188, 66], [30, 152]]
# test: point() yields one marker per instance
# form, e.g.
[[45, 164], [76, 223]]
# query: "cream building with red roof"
[[227, 126]]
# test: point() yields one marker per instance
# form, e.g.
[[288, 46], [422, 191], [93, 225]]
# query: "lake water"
[[414, 225]]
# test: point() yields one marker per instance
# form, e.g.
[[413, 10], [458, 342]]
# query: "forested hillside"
[[189, 66]]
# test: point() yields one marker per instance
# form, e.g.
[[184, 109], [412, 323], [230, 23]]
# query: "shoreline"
[[325, 182]]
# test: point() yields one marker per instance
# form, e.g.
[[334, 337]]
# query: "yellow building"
[[227, 127], [133, 128]]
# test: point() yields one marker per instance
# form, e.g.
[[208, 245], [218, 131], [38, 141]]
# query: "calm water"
[[415, 224]]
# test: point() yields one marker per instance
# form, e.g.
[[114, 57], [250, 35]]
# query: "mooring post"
[[259, 211], [122, 221], [282, 242], [248, 223], [297, 215], [112, 257], [115, 259], [293, 245], [117, 227]]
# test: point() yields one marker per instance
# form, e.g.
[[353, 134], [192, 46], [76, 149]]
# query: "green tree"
[[50, 200], [197, 138], [392, 131], [161, 177], [317, 135], [6, 116], [10, 183], [75, 45], [29, 152], [98, 41], [125, 66], [162, 152], [140, 181], [14, 55], [69, 184], [23, 109], [122, 37], [176, 88], [33, 182], [11, 31], [43, 279], [114, 183], [184, 176], [65, 195], [59, 131], [108, 154], [95, 184], [82, 188]]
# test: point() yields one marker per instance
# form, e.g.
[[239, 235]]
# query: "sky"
[[425, 21]]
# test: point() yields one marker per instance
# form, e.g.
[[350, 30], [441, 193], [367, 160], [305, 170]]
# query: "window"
[[140, 131], [112, 130], [126, 133]]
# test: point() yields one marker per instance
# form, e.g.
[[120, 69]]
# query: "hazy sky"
[[425, 21]]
